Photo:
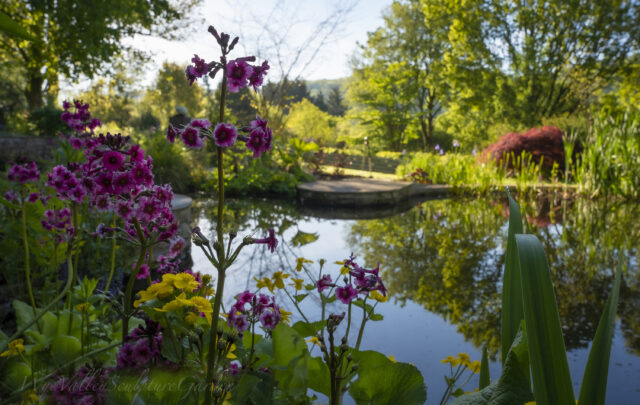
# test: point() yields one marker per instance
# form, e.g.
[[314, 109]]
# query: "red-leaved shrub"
[[541, 143]]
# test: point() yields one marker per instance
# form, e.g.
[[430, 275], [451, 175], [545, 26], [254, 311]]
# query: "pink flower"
[[33, 197], [136, 154], [197, 70], [191, 138], [255, 80], [24, 173], [324, 282], [176, 247], [270, 240], [346, 293], [206, 124], [240, 322], [10, 195], [259, 138], [238, 72], [270, 318], [172, 132], [245, 297], [112, 160], [143, 272], [225, 135], [122, 183]]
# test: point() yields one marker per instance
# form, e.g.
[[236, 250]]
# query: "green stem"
[[44, 310], [27, 266], [213, 337], [364, 320], [74, 216], [128, 304], [114, 246]]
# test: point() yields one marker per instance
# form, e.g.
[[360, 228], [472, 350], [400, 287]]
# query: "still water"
[[442, 262]]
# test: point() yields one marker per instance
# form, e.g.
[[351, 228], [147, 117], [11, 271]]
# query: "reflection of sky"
[[410, 333]]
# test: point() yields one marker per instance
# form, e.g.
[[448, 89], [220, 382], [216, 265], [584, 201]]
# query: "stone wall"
[[28, 147]]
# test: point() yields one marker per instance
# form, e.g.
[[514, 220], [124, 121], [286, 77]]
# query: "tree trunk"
[[33, 92]]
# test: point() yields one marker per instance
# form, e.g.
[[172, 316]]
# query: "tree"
[[546, 57], [80, 37], [309, 122], [172, 89], [335, 102], [416, 49]]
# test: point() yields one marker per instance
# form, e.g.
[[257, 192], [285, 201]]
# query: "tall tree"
[[335, 102], [80, 37], [171, 89], [407, 43], [548, 57]]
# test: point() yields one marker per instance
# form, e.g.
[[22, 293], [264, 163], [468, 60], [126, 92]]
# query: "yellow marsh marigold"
[[265, 282], [82, 307], [300, 261], [285, 315], [185, 281], [464, 359], [314, 340], [454, 361], [15, 347], [158, 290], [475, 366], [191, 318], [278, 279], [177, 303]]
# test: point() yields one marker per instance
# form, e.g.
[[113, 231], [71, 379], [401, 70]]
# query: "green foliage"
[[79, 38], [512, 312], [382, 382], [610, 162], [310, 123]]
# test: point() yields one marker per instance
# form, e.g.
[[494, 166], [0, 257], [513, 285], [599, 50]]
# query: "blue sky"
[[289, 23]]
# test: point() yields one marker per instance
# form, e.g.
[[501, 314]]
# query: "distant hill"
[[323, 86]]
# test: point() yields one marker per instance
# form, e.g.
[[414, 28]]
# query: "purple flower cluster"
[[24, 173], [362, 281], [251, 308], [260, 137], [438, 149], [81, 120], [58, 220], [142, 348], [118, 177], [87, 387]]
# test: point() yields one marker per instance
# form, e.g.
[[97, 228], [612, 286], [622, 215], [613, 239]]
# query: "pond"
[[442, 262]]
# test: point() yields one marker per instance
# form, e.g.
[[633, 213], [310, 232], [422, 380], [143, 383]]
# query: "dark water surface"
[[442, 262]]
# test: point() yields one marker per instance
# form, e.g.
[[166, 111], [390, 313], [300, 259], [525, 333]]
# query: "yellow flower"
[[300, 261], [314, 340], [30, 397], [344, 270], [265, 282], [15, 347], [203, 305], [393, 359], [82, 307], [297, 283], [157, 290], [177, 303], [230, 355], [475, 366], [284, 315], [452, 360], [375, 294], [278, 279], [340, 262], [191, 318], [464, 359], [185, 281], [168, 278]]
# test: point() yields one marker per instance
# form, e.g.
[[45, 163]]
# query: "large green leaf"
[[319, 377], [12, 28], [594, 382], [512, 312], [485, 378], [308, 328], [549, 366], [513, 385], [381, 381], [291, 358]]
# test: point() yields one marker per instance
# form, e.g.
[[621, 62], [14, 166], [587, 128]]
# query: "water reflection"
[[448, 255]]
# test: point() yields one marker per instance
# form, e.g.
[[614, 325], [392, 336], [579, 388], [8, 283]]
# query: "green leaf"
[[303, 238], [300, 297], [319, 378], [376, 317], [306, 329], [548, 356], [594, 382], [381, 381], [253, 388], [290, 360], [485, 378], [513, 385], [512, 312], [12, 28]]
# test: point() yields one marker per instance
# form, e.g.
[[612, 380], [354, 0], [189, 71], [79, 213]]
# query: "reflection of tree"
[[448, 256], [443, 255]]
